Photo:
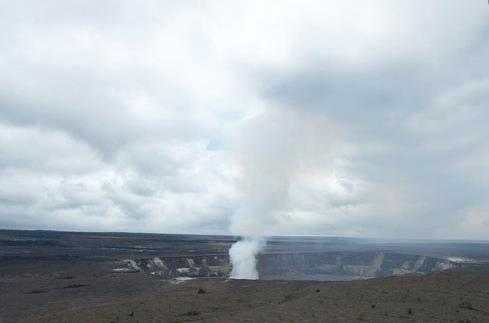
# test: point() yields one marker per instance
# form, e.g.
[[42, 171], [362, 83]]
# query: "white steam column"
[[243, 255]]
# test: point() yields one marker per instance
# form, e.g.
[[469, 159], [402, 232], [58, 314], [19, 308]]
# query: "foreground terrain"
[[441, 297], [118, 277]]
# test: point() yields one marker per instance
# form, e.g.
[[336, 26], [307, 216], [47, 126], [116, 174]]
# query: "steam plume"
[[267, 157], [243, 257]]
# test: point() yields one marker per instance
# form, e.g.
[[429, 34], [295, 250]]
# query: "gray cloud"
[[179, 117], [413, 124]]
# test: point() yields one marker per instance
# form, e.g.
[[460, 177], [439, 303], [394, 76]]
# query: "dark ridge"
[[74, 286], [35, 291], [65, 277]]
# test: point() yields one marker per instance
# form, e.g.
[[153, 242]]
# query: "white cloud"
[[358, 118]]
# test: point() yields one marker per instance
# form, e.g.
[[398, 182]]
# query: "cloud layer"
[[319, 117]]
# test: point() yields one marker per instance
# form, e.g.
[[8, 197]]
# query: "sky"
[[339, 118]]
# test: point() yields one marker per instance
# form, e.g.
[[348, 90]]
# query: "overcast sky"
[[354, 118]]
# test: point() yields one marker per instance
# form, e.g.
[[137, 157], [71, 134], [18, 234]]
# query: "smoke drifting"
[[270, 152]]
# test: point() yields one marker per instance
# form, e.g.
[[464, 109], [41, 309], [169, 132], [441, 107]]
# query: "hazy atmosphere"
[[357, 118]]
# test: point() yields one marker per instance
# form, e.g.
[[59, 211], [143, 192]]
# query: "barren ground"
[[441, 297], [69, 277]]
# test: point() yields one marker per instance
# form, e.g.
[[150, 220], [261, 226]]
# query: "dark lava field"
[[50, 276]]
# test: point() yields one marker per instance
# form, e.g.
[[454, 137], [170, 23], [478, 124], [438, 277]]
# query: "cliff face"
[[308, 266], [174, 267], [347, 265]]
